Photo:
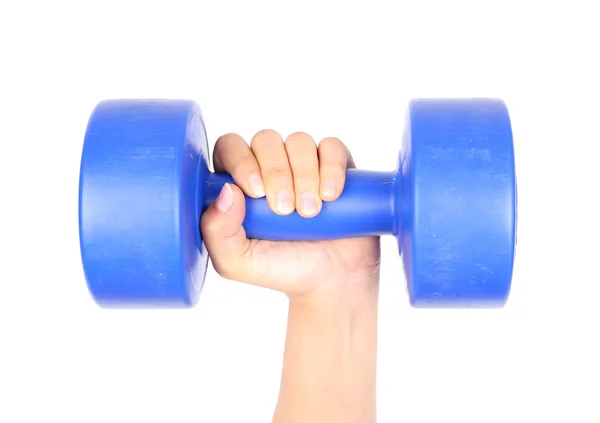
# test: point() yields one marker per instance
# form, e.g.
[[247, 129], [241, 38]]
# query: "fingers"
[[268, 147], [223, 234], [334, 159], [233, 155], [295, 175], [304, 162]]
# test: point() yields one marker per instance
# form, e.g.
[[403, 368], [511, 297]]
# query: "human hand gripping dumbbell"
[[145, 186]]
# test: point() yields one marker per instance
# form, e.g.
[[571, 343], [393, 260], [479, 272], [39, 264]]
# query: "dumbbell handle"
[[367, 207]]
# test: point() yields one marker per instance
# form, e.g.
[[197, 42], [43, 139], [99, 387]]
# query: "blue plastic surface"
[[459, 203], [144, 184], [138, 214]]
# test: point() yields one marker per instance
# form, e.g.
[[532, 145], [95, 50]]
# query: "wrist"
[[350, 310], [349, 293]]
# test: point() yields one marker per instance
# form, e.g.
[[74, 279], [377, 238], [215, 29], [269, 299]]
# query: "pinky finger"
[[334, 159]]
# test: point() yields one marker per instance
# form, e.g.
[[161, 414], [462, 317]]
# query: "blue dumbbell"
[[451, 203]]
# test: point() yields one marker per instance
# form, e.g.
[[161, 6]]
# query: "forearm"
[[329, 370]]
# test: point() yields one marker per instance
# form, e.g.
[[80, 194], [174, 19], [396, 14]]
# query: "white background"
[[327, 68]]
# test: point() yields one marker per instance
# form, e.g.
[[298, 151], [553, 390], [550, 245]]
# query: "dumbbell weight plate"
[[138, 203], [458, 203]]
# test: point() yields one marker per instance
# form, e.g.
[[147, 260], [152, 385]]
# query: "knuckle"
[[278, 180], [265, 135], [301, 186], [208, 225], [331, 142], [226, 139], [299, 137], [305, 178], [247, 163], [277, 172], [333, 169]]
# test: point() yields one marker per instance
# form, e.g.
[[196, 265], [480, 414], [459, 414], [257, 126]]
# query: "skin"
[[330, 353]]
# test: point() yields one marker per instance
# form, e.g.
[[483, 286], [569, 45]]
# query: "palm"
[[301, 266]]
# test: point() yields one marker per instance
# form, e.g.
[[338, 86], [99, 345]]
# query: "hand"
[[295, 175]]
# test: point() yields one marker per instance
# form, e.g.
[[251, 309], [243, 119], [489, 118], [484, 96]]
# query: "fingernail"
[[225, 199], [256, 185], [284, 202], [329, 188], [308, 204]]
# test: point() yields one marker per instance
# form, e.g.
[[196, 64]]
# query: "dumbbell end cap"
[[138, 203], [459, 203]]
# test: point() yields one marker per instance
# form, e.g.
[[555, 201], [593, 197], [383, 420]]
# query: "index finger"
[[233, 155]]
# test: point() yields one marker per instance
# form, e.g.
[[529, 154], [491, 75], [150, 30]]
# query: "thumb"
[[223, 234]]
